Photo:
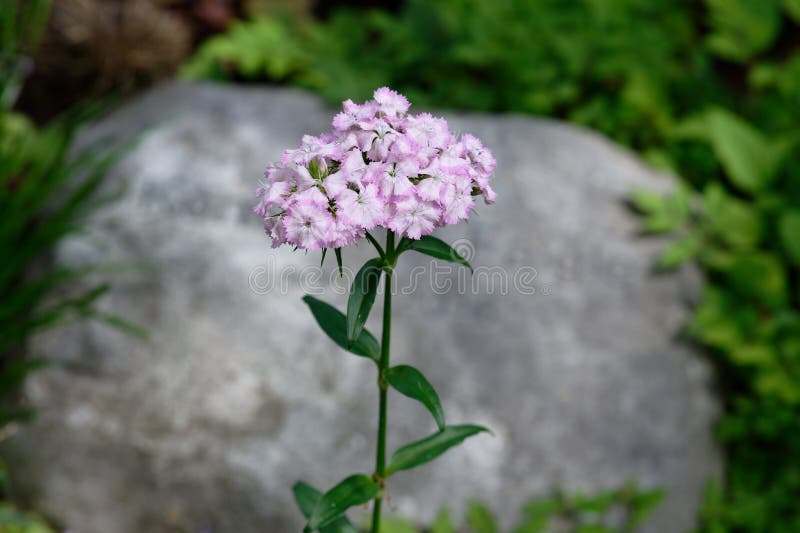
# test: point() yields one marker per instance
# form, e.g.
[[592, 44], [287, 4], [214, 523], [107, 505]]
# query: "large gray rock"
[[577, 366]]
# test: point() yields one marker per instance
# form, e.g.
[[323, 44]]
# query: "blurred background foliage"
[[620, 510], [47, 188], [708, 90]]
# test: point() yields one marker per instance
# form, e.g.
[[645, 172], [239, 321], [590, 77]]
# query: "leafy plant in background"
[[45, 193], [708, 90], [621, 510]]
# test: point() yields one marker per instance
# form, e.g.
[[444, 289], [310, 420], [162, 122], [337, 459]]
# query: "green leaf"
[[642, 506], [362, 296], [338, 252], [719, 320], [742, 28], [749, 158], [409, 381], [428, 449], [759, 276], [439, 249], [538, 513], [792, 7], [307, 497], [732, 220], [334, 324], [647, 201], [443, 523], [354, 490], [678, 252], [480, 518], [664, 212], [789, 229]]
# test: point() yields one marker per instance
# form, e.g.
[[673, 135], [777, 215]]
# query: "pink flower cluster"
[[379, 167]]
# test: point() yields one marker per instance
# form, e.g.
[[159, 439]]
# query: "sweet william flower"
[[379, 167]]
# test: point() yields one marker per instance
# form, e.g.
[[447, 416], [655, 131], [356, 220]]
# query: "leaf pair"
[[348, 331], [325, 512]]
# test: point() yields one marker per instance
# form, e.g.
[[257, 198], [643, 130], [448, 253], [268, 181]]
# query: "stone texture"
[[577, 366]]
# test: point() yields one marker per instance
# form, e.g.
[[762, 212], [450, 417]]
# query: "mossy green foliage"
[[621, 510], [708, 90]]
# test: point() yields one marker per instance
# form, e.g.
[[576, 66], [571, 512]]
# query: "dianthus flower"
[[379, 167]]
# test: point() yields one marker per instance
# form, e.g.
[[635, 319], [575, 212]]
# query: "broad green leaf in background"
[[480, 518], [642, 505], [430, 245], [759, 276], [719, 321], [792, 7], [748, 157], [789, 229], [736, 222], [334, 324], [426, 450], [663, 212], [678, 252], [353, 490], [537, 514], [409, 381], [443, 523], [742, 28], [362, 296], [307, 497]]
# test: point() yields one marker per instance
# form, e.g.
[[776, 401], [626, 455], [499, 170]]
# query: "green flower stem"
[[380, 456]]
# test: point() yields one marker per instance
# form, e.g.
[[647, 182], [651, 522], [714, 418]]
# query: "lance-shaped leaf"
[[307, 497], [426, 450], [354, 490], [334, 324], [410, 381], [338, 252], [430, 245], [362, 296]]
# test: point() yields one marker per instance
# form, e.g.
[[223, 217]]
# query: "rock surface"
[[564, 342]]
